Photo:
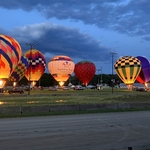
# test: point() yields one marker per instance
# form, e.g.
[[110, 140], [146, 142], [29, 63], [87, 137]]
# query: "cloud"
[[124, 16], [54, 40], [147, 38]]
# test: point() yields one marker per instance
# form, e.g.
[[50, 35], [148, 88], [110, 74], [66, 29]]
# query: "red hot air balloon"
[[85, 71]]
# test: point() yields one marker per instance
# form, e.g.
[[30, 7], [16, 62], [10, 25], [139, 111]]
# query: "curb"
[[61, 108]]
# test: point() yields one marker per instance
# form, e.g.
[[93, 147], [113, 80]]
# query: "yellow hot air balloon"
[[61, 67], [10, 54], [128, 68]]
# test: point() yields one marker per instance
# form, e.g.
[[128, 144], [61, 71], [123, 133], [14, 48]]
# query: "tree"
[[48, 80]]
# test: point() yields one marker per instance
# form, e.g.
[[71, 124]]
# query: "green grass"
[[65, 97]]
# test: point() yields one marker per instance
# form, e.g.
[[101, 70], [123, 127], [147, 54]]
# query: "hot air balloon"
[[144, 75], [85, 71], [19, 71], [10, 54], [61, 67], [37, 65], [128, 68]]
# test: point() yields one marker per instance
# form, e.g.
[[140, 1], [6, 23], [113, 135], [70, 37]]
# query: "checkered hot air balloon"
[[37, 65], [10, 54], [61, 67], [20, 70], [128, 68]]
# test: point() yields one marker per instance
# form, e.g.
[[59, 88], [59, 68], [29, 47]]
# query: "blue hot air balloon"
[[144, 75]]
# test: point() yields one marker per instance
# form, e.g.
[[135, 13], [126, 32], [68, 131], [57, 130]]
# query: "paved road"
[[106, 131]]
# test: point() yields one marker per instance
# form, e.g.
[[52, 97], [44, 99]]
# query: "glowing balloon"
[[2, 83], [37, 65], [85, 71], [19, 71], [10, 54], [144, 75], [128, 68], [61, 67]]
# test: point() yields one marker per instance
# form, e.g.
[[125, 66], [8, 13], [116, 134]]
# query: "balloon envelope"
[[61, 67], [85, 71], [20, 70], [37, 65], [10, 54], [128, 68], [144, 75]]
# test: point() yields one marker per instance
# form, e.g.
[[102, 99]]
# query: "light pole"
[[98, 76], [112, 55], [30, 64], [99, 86], [101, 76]]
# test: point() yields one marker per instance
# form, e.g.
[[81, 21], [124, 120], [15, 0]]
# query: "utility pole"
[[30, 64], [112, 55], [101, 76], [99, 86], [98, 76]]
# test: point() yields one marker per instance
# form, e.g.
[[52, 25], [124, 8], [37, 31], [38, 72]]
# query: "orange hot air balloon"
[[37, 65], [10, 54], [61, 67]]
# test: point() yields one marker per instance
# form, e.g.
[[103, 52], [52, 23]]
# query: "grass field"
[[72, 97], [63, 97]]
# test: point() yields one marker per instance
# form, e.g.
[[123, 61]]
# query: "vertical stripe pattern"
[[128, 68]]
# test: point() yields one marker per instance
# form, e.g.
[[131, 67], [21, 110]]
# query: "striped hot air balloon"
[[37, 65], [128, 68], [10, 54], [61, 67], [19, 71]]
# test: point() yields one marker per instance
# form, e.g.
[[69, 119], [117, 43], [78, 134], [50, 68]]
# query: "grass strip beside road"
[[71, 112]]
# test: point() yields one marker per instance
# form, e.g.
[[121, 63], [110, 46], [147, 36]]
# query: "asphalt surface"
[[104, 131]]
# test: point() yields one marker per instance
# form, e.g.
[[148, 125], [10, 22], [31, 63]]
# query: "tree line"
[[47, 80]]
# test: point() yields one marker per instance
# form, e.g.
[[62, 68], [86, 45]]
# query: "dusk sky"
[[81, 29]]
